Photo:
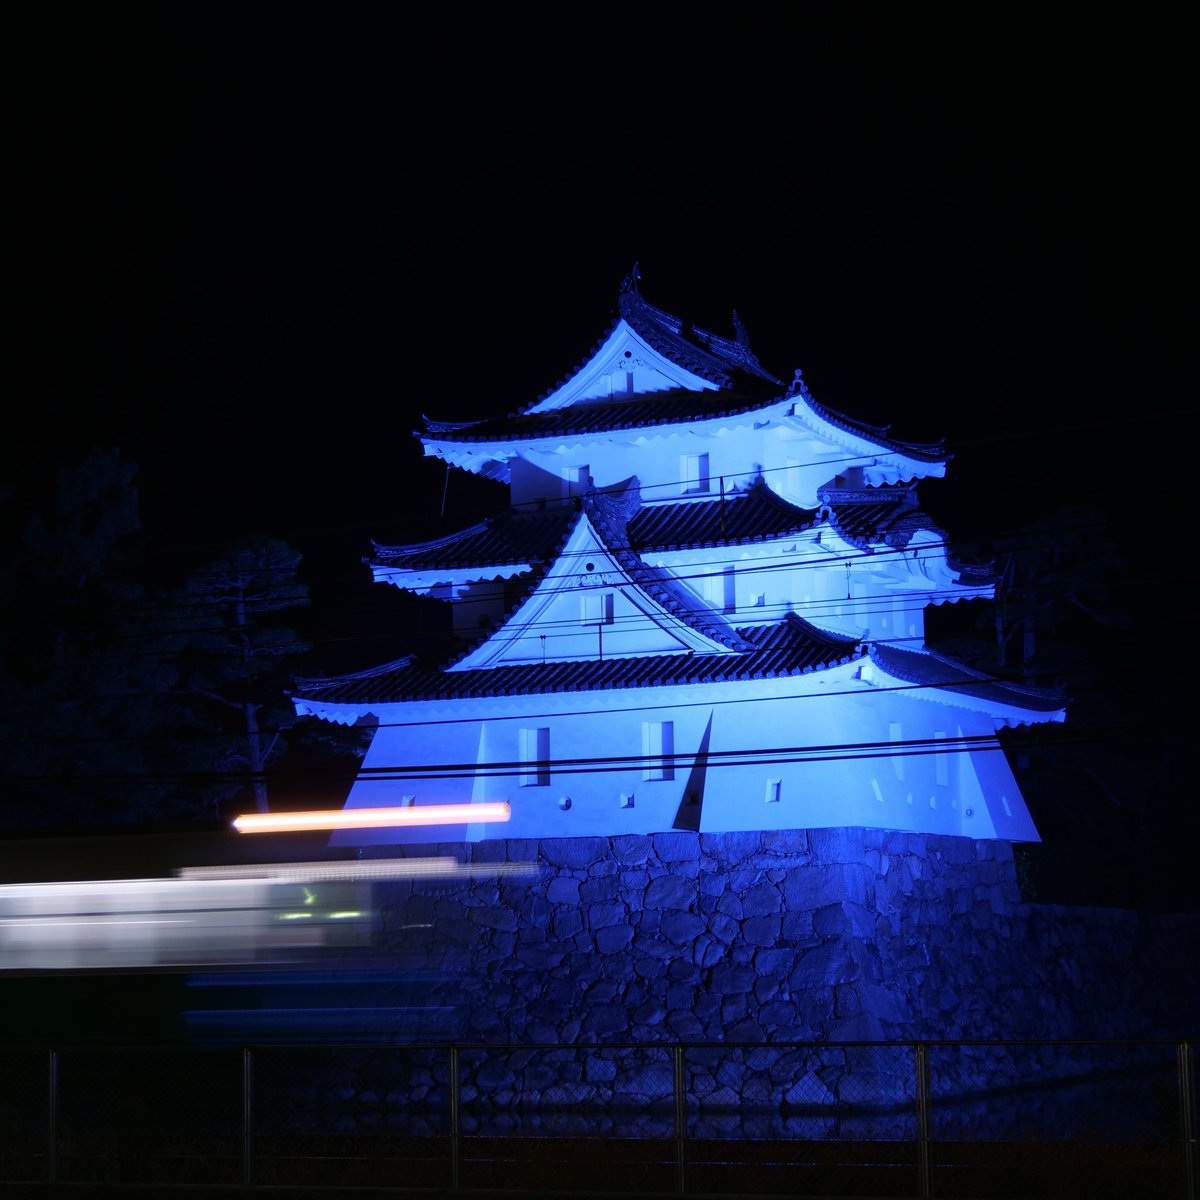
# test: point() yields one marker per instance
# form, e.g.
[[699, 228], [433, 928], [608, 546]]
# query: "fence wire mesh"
[[948, 1119]]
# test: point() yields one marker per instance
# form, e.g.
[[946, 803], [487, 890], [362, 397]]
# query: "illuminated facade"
[[703, 610]]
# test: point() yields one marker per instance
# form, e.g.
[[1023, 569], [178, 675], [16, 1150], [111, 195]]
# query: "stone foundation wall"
[[819, 935]]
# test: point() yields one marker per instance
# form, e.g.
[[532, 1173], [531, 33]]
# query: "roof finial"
[[798, 387], [743, 338], [631, 280]]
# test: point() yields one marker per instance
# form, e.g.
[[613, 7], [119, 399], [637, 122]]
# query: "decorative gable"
[[589, 605], [626, 365]]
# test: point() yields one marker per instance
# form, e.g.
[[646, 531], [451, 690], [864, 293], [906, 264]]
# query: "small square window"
[[596, 608]]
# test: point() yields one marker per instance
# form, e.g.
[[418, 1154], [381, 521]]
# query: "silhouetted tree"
[[236, 660], [1057, 569], [78, 722], [123, 702], [1104, 787]]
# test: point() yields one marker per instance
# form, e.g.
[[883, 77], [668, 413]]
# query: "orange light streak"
[[372, 818]]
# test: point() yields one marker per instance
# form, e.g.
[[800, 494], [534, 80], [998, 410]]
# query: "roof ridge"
[[610, 515]]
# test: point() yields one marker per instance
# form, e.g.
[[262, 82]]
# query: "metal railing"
[[917, 1119]]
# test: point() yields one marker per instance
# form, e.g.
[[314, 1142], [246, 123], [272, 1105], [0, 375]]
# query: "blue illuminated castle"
[[702, 610]]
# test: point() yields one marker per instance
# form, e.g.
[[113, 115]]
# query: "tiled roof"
[[754, 514], [792, 647], [886, 513], [609, 514], [676, 406], [509, 537], [927, 668], [717, 359], [744, 386], [881, 434]]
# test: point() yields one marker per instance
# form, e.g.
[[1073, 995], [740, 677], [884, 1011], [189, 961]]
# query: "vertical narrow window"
[[694, 469], [722, 590], [658, 749], [773, 789], [895, 735], [791, 476], [574, 481], [941, 772], [535, 757]]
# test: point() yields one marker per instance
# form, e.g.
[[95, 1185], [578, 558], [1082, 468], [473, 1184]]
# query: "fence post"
[[247, 1116], [52, 1117], [1187, 1118], [680, 1121], [455, 1124], [922, 1067]]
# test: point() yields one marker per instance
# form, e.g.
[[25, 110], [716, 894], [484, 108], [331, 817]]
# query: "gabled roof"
[[718, 359], [607, 516], [728, 384]]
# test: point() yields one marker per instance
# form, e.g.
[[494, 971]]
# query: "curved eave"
[[488, 462], [896, 462], [425, 581], [943, 681], [489, 454]]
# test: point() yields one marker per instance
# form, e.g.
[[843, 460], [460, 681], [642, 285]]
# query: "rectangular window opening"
[[694, 469], [658, 749], [722, 590], [896, 736], [535, 757], [574, 481]]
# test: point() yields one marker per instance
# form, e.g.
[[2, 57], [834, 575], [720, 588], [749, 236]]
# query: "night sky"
[[253, 246]]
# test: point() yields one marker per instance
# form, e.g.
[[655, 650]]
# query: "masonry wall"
[[830, 935]]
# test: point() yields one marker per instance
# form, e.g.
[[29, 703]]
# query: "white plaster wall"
[[795, 731]]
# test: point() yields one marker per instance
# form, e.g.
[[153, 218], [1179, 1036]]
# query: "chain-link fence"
[[933, 1119]]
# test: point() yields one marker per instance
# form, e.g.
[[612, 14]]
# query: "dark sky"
[[253, 244]]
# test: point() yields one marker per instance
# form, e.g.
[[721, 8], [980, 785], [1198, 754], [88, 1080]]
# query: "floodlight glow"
[[372, 818]]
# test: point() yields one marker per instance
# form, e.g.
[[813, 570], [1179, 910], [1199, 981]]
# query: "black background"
[[253, 245]]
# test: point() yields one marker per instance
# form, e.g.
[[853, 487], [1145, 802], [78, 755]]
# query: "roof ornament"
[[743, 338], [798, 387], [631, 280]]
